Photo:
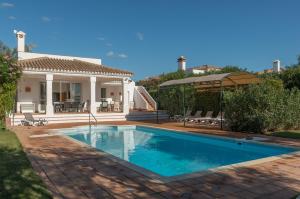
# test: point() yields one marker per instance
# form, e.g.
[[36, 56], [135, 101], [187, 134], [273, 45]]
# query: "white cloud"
[[122, 55], [45, 19], [12, 17], [110, 54], [100, 38], [6, 5], [140, 36], [116, 55]]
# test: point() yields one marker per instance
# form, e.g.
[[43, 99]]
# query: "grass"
[[287, 134], [17, 178]]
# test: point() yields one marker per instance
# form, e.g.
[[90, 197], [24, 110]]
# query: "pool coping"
[[165, 179]]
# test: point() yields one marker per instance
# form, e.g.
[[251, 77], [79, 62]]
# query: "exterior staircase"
[[150, 106], [143, 100]]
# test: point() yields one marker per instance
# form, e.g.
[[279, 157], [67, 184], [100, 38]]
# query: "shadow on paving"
[[74, 171], [17, 179]]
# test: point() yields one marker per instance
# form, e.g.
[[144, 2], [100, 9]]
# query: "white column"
[[49, 104], [125, 96], [93, 95]]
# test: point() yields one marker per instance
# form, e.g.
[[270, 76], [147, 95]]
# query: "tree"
[[263, 107], [9, 75], [231, 69], [13, 52], [291, 77], [4, 49]]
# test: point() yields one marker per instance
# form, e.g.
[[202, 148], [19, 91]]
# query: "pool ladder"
[[90, 122]]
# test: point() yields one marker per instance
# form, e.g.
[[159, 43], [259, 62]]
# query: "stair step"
[[147, 100]]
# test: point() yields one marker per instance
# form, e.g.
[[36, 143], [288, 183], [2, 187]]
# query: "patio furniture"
[[187, 115], [180, 118], [58, 106], [217, 120], [27, 108], [206, 118], [71, 106], [29, 120], [194, 117], [82, 106], [176, 117], [116, 106], [104, 106]]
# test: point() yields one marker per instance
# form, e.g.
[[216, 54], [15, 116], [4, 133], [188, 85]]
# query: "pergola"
[[213, 83]]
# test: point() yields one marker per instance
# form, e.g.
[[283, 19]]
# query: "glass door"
[[76, 92]]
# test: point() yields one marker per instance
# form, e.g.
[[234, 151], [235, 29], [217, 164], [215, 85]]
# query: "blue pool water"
[[170, 153]]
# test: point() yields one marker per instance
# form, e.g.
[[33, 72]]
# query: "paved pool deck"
[[72, 170]]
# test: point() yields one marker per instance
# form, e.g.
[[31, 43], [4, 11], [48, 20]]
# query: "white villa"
[[74, 89]]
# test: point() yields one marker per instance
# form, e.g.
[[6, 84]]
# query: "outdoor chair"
[[81, 106], [116, 106], [104, 106], [194, 117], [30, 121], [217, 120], [188, 113], [206, 118], [180, 118]]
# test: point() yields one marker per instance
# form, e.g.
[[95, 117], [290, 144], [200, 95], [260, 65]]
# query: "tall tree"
[[13, 52], [9, 75]]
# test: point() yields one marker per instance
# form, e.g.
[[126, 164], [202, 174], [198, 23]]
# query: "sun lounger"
[[218, 119], [194, 117], [187, 115], [30, 121], [180, 118], [206, 118]]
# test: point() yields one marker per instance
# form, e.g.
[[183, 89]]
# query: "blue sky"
[[146, 37]]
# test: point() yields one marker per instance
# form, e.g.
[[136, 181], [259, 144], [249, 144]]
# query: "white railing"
[[142, 90], [91, 114], [139, 101]]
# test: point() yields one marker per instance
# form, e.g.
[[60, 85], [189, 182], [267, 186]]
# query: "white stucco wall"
[[139, 101], [34, 95], [131, 86]]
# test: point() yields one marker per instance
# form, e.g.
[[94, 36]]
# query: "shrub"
[[171, 99], [264, 107], [9, 75], [291, 77]]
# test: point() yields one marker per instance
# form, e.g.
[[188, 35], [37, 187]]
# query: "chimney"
[[21, 41], [181, 63], [276, 66]]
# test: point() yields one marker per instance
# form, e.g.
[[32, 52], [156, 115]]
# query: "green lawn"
[[287, 134], [17, 178]]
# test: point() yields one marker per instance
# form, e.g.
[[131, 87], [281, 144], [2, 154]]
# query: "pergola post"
[[183, 101], [221, 103], [157, 103]]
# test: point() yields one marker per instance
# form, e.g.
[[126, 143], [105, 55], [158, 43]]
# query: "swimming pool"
[[171, 153]]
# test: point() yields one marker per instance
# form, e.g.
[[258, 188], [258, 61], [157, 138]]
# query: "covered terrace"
[[213, 83]]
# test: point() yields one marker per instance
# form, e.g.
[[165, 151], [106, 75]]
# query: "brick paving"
[[71, 170]]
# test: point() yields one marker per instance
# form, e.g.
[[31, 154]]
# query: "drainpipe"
[[183, 105]]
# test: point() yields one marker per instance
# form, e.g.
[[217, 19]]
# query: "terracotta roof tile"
[[49, 64]]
